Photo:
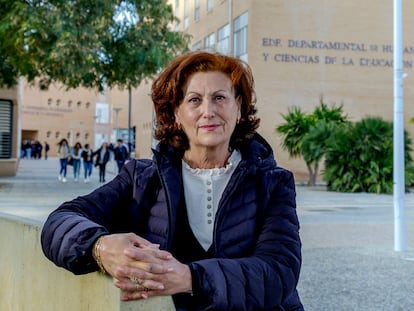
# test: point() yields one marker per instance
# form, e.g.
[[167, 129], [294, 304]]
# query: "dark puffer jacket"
[[256, 241]]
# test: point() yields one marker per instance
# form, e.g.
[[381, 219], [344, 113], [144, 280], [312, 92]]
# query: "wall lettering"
[[314, 52]]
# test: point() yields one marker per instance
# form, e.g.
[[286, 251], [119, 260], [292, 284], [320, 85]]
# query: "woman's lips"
[[209, 127]]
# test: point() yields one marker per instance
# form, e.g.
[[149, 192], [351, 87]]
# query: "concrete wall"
[[29, 281]]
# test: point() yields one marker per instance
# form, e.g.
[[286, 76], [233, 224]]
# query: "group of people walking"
[[78, 154], [33, 149]]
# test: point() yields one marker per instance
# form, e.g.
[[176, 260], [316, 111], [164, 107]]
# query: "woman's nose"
[[208, 108]]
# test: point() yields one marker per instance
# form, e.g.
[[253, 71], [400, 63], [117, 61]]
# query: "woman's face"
[[209, 110]]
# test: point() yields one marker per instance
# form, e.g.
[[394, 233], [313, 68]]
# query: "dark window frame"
[[6, 128]]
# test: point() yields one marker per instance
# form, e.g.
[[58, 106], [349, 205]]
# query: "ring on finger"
[[136, 280], [140, 288]]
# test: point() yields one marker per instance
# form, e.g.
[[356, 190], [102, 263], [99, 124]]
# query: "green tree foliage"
[[296, 126], [305, 135], [359, 158], [88, 43]]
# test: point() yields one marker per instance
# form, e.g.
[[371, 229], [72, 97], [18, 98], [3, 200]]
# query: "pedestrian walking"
[[76, 153], [28, 149], [120, 154], [102, 158], [47, 148], [87, 157], [63, 155], [38, 150]]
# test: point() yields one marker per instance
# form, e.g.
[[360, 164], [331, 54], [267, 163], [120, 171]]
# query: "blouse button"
[[209, 222], [208, 198], [208, 190], [209, 206], [208, 182], [209, 214]]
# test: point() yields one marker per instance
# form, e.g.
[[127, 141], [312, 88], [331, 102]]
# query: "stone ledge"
[[31, 282]]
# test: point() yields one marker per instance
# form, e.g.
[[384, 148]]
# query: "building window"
[[223, 40], [209, 42], [49, 102], [196, 46], [209, 5], [87, 105], [48, 133], [186, 14], [102, 113], [68, 135], [57, 134], [240, 36], [196, 10], [6, 128], [58, 102], [177, 15], [78, 104], [69, 103]]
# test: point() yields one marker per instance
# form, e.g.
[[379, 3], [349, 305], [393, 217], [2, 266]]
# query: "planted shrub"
[[359, 158]]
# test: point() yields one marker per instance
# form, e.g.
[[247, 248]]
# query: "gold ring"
[[138, 284], [140, 288]]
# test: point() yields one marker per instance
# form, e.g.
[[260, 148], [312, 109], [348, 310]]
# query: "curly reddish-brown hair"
[[168, 94]]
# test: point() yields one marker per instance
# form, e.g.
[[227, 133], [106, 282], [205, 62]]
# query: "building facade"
[[302, 51], [299, 51]]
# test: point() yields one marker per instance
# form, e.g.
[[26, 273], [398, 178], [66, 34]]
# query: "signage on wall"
[[45, 111], [340, 53]]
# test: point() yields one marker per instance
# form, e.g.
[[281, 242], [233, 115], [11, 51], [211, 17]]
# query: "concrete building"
[[79, 115], [299, 51]]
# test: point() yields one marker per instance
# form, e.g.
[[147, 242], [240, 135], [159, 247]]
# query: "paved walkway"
[[349, 262], [35, 191]]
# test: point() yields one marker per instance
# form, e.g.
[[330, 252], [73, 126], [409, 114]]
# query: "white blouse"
[[203, 189]]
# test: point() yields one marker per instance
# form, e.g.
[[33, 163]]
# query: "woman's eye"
[[219, 98], [194, 100]]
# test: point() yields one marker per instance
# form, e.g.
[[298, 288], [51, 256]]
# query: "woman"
[[63, 155], [87, 157], [211, 220], [76, 153], [102, 158]]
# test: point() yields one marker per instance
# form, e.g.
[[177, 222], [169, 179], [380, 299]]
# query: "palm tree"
[[294, 130], [306, 135]]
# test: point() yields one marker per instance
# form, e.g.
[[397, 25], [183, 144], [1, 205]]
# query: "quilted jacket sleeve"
[[266, 279], [69, 232]]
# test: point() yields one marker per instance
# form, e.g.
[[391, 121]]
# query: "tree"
[[87, 43], [314, 145], [305, 135]]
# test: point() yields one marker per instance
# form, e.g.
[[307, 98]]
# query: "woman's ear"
[[176, 117]]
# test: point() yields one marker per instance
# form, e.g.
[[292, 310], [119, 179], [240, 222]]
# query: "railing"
[[29, 281]]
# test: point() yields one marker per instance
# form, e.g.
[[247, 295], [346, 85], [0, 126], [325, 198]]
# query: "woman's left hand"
[[176, 279]]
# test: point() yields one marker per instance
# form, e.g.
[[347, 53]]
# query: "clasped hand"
[[141, 269]]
